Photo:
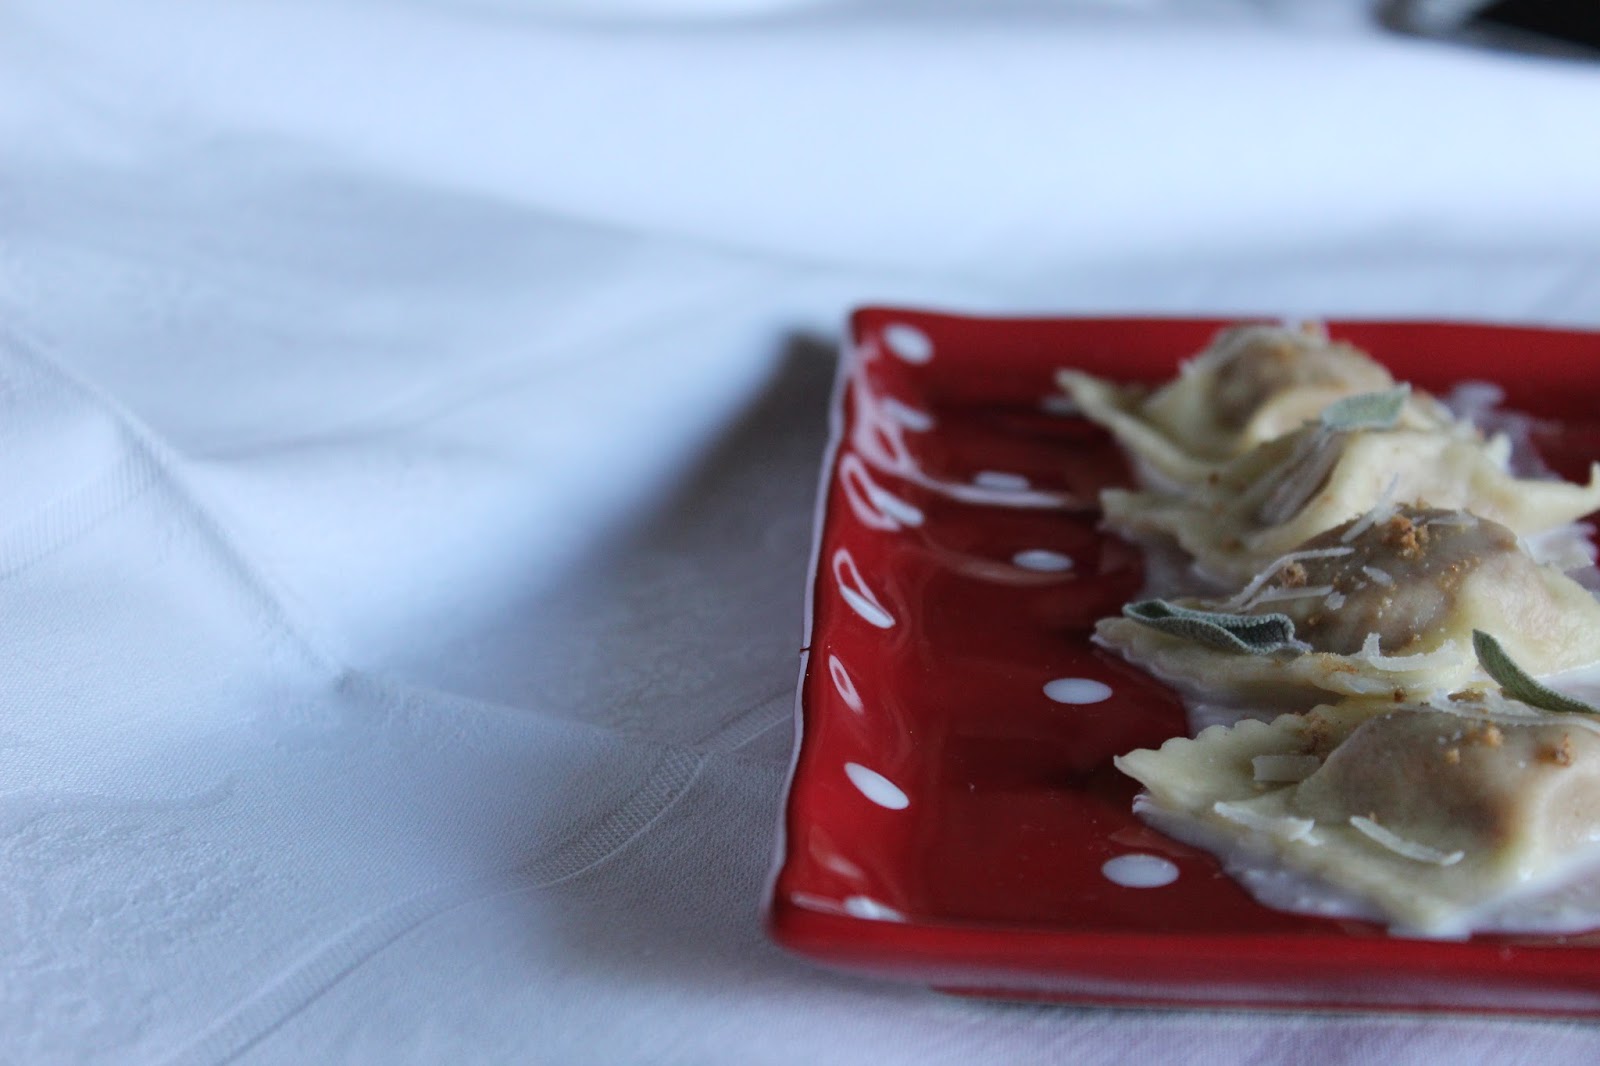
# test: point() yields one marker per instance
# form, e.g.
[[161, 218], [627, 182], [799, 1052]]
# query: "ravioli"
[[1283, 493], [1380, 554], [1432, 813], [1380, 608], [1252, 385]]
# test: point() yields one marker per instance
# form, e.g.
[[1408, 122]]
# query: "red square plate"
[[953, 817]]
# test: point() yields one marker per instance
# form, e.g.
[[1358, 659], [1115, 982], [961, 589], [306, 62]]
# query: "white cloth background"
[[409, 416]]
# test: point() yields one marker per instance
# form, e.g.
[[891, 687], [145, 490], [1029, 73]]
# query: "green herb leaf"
[[1369, 410], [1252, 634], [1516, 682]]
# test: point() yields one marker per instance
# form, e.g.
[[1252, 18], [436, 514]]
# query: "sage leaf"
[[1251, 634], [1517, 683], [1369, 410]]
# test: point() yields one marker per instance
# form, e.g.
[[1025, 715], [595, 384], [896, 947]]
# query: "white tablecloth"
[[409, 418]]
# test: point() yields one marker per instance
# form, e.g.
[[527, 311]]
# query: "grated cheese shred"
[[1242, 597], [1381, 511], [1283, 828], [1401, 846], [1279, 595], [1445, 655], [1459, 518]]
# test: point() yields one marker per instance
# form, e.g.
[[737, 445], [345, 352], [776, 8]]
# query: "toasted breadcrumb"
[[1488, 735], [1559, 754], [1401, 534]]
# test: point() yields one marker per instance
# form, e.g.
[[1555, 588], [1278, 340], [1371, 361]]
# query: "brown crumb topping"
[[1292, 576], [1452, 756], [1318, 736], [1559, 754], [1405, 536], [1488, 734]]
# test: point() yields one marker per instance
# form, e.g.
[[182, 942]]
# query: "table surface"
[[410, 417]]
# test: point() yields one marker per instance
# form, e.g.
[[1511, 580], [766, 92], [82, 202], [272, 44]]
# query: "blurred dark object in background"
[[1564, 28]]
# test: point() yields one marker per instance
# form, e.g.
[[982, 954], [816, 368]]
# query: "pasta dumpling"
[[1378, 608], [1252, 385], [1263, 504], [1432, 813], [1382, 565]]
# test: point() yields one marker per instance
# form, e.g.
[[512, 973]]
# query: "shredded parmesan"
[[1243, 595], [1458, 518], [1566, 547], [1381, 511], [1278, 595], [1283, 828], [1380, 576], [1449, 654], [1334, 601], [1359, 685], [1284, 769], [1401, 846]]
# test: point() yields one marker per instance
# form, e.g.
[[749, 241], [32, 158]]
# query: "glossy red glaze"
[[989, 879]]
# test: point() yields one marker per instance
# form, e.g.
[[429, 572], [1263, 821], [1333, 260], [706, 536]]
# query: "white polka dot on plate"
[[913, 418], [845, 685], [1077, 690], [862, 907], [876, 787], [853, 587], [1042, 560], [908, 342], [1139, 871], [1000, 481]]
